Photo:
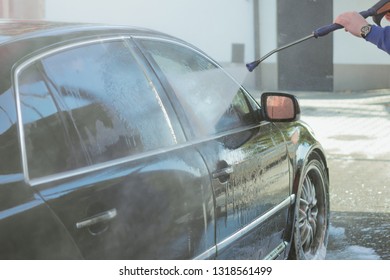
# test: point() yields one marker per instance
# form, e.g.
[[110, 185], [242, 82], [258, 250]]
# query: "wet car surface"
[[124, 143]]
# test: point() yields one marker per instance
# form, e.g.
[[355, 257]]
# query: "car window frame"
[[253, 105], [32, 58]]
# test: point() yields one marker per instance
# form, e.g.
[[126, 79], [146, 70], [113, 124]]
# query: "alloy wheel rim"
[[311, 213]]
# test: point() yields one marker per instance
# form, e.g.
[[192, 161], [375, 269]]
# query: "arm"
[[380, 36], [353, 22]]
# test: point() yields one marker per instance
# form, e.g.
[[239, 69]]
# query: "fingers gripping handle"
[[325, 30]]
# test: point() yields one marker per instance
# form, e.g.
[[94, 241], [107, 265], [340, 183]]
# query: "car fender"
[[302, 145]]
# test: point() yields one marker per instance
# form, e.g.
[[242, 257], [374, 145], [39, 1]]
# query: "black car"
[[125, 143]]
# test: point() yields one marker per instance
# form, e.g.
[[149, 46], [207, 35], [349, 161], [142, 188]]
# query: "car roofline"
[[19, 30]]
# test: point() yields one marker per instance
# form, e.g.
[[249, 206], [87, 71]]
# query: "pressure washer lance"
[[377, 12]]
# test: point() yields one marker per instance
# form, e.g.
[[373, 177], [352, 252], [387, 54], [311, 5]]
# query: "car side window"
[[212, 100], [9, 148], [87, 105]]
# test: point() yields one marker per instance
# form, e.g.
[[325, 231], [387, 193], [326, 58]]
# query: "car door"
[[103, 148], [246, 157]]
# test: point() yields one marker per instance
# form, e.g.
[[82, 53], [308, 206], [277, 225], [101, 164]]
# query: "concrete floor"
[[354, 129]]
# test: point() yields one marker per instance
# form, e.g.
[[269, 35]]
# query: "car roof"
[[18, 30], [21, 38], [14, 28]]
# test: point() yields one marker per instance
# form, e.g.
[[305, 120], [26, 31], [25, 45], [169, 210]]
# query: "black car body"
[[124, 143]]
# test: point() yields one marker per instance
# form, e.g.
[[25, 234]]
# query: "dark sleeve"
[[380, 36]]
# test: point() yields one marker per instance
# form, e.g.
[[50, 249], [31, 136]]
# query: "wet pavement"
[[354, 129], [359, 236]]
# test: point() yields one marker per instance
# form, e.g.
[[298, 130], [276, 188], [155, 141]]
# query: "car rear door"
[[246, 157], [101, 145]]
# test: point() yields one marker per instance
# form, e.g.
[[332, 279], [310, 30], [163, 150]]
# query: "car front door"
[[103, 149], [246, 157]]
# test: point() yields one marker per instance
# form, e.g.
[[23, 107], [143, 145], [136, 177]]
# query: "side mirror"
[[280, 107]]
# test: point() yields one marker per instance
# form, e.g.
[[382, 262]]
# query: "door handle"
[[98, 218], [223, 173]]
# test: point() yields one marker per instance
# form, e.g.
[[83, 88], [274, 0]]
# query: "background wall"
[[211, 25], [226, 30], [357, 65], [21, 9]]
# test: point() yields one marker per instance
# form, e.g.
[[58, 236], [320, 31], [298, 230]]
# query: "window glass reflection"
[[211, 99], [89, 105]]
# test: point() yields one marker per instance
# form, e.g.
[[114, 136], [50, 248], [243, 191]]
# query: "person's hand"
[[387, 16], [352, 22]]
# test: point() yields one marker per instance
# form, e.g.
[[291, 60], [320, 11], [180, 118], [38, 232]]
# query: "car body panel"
[[224, 194], [258, 184], [249, 167], [30, 230], [159, 205]]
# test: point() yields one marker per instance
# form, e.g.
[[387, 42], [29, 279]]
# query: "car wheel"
[[311, 227]]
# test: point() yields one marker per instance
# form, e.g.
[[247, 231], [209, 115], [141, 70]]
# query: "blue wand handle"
[[325, 30]]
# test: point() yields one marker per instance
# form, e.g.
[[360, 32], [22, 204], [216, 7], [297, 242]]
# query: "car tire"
[[311, 224]]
